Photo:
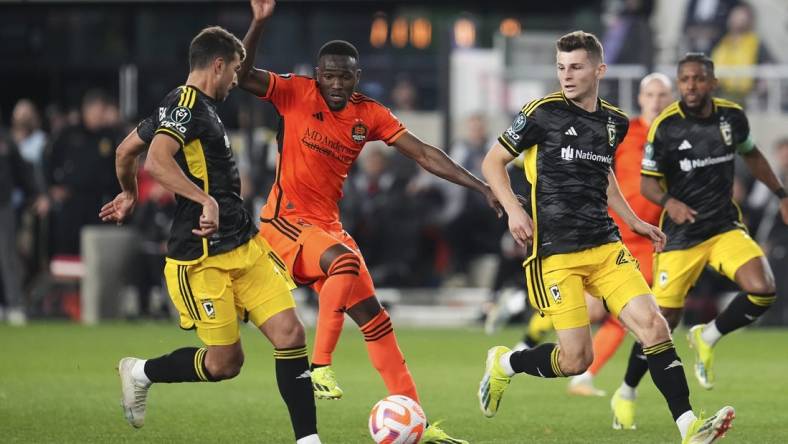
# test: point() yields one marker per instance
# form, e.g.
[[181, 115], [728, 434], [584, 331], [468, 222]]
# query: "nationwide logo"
[[568, 153], [685, 145], [691, 164], [571, 132]]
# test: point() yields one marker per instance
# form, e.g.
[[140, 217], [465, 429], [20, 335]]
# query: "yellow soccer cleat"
[[704, 357], [324, 383], [494, 382], [435, 435], [623, 412], [709, 430]]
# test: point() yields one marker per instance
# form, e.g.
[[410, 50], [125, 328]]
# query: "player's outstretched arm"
[[677, 210], [250, 78], [126, 164], [440, 164], [620, 205], [761, 170], [494, 170], [162, 166]]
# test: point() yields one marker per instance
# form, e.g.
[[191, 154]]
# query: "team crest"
[[611, 133], [359, 132], [519, 123], [726, 132], [209, 309], [181, 115], [556, 293]]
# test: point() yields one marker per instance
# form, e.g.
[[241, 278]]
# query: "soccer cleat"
[[704, 357], [709, 430], [435, 435], [494, 382], [134, 394], [623, 412], [324, 383], [583, 387]]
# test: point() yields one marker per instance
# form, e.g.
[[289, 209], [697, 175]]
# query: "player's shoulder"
[[362, 101], [547, 102], [671, 113], [614, 112], [727, 107]]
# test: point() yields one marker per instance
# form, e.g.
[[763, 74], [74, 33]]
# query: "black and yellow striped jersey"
[[189, 116], [695, 158], [568, 156]]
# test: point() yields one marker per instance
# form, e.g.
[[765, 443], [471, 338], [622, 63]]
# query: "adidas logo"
[[675, 363], [571, 131], [685, 145], [318, 115], [306, 375]]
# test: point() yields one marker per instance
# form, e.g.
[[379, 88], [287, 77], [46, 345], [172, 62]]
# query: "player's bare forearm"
[[161, 164], [250, 78], [437, 162], [126, 161], [616, 201], [494, 171], [761, 170], [652, 190]]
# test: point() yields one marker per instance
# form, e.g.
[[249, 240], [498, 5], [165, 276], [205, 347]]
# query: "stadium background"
[[453, 72]]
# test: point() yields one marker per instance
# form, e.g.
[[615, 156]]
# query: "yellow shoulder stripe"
[[188, 97], [615, 109], [670, 110], [537, 103], [726, 103]]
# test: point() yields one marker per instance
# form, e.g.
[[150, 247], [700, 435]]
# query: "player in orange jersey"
[[655, 94], [324, 126]]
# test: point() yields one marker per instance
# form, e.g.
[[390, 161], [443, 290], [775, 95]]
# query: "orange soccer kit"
[[300, 220], [629, 154]]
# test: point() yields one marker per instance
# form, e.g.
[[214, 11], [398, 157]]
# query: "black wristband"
[[780, 192], [664, 200]]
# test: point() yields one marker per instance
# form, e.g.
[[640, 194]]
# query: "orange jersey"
[[318, 146], [627, 169]]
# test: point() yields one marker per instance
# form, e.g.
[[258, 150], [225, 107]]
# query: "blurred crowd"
[[57, 168]]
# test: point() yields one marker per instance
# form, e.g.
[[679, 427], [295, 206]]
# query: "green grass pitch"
[[58, 385]]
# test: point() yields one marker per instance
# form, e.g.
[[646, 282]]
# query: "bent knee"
[[290, 334], [576, 364], [761, 287], [226, 369]]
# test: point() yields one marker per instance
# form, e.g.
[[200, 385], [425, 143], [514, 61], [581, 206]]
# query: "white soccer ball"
[[397, 419]]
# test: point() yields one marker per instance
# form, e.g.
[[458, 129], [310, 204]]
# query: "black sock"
[[540, 361], [182, 365], [637, 366], [743, 310], [295, 386], [530, 341], [667, 372], [314, 366]]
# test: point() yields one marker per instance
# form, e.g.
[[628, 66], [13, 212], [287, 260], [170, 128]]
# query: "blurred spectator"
[[80, 172], [739, 47], [629, 38], [470, 229], [404, 96], [28, 136], [15, 173], [704, 24]]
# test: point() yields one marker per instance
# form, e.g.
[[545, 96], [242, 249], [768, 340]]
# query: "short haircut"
[[656, 76], [212, 43], [697, 57], [581, 40], [338, 47]]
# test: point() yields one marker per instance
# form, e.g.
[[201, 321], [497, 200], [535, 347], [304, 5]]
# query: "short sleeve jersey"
[[568, 156], [317, 147], [695, 157], [189, 117]]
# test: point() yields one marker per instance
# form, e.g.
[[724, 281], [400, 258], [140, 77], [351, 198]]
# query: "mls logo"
[[556, 293], [209, 309], [181, 115], [663, 278], [726, 132]]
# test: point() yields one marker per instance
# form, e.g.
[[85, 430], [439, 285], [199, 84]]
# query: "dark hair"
[[697, 57], [93, 96], [212, 43], [581, 40], [338, 47]]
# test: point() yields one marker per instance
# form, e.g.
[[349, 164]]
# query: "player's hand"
[[209, 220], [784, 209], [679, 212], [521, 226], [119, 208], [492, 201], [262, 9], [650, 231]]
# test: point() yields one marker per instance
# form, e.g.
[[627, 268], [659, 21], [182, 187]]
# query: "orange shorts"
[[301, 245]]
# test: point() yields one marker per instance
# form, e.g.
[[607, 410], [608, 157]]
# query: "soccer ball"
[[397, 419]]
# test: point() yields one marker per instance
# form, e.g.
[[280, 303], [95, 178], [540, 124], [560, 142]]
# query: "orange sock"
[[386, 356], [333, 293], [606, 342]]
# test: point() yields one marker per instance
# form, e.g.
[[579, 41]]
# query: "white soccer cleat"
[[133, 393]]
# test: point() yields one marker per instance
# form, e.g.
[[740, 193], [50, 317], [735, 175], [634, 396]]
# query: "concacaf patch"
[[359, 132]]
